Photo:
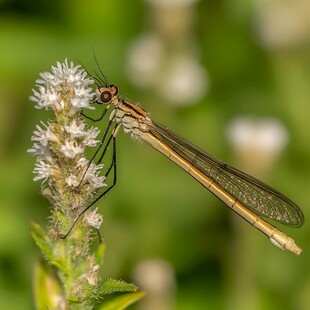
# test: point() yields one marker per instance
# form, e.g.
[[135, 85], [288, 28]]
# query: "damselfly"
[[245, 195]]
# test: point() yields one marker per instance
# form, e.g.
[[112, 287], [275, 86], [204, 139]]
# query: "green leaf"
[[112, 286], [121, 302], [47, 289], [45, 244]]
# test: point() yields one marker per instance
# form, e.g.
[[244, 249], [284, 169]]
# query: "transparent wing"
[[252, 193]]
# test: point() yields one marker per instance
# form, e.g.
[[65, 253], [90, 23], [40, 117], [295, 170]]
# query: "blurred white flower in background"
[[257, 142], [145, 56], [164, 3], [156, 277], [284, 23], [165, 58], [185, 81]]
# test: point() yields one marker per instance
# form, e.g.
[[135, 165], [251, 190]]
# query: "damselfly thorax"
[[133, 118]]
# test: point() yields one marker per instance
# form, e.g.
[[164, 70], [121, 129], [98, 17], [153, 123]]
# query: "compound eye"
[[106, 96]]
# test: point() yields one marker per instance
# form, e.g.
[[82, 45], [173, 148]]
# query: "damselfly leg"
[[112, 166], [109, 136]]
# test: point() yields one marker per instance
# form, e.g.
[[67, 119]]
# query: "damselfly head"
[[106, 93]]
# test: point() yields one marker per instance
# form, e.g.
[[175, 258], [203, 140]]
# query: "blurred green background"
[[246, 59]]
